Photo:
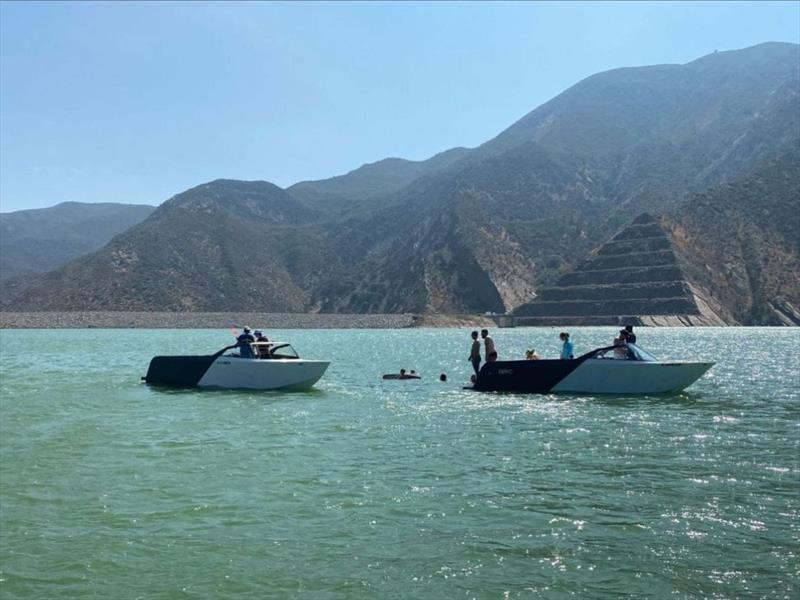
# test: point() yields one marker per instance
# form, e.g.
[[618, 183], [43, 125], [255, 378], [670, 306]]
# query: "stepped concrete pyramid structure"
[[634, 278]]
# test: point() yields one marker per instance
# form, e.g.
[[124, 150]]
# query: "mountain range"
[[39, 240], [486, 228]]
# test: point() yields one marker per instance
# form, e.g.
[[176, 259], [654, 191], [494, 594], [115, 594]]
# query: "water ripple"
[[373, 489]]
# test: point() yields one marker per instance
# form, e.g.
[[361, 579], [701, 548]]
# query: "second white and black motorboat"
[[624, 369]]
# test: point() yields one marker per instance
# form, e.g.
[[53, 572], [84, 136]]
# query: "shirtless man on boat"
[[488, 343]]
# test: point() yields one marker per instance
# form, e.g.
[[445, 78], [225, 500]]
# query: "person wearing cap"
[[243, 341], [263, 349]]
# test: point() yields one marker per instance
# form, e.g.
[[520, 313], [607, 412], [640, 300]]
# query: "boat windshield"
[[263, 350], [626, 352], [641, 354], [280, 350]]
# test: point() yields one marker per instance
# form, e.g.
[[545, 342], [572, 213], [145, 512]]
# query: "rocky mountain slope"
[[564, 178], [39, 240], [468, 230], [740, 243], [219, 245], [728, 256]]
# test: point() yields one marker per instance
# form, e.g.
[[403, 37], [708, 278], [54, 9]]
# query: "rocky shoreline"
[[217, 320]]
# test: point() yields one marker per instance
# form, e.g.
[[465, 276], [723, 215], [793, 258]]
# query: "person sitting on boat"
[[629, 334], [263, 349], [531, 354], [566, 348], [620, 342], [243, 341]]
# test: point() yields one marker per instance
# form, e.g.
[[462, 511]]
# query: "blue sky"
[[130, 102]]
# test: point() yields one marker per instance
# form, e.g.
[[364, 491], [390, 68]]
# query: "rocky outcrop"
[[739, 244], [727, 256]]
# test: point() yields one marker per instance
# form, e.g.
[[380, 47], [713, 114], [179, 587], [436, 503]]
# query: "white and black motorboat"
[[255, 366], [612, 370]]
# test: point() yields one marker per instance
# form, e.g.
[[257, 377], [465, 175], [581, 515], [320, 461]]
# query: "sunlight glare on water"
[[366, 488]]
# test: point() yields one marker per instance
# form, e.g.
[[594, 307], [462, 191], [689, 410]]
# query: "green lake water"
[[378, 489]]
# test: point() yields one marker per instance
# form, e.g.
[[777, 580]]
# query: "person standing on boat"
[[566, 348], [488, 343], [243, 341], [475, 353]]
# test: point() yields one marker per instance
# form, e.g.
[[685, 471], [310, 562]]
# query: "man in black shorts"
[[475, 353], [488, 342]]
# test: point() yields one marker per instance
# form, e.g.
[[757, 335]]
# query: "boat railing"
[[622, 352]]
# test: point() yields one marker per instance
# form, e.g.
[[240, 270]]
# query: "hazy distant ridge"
[[38, 240]]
